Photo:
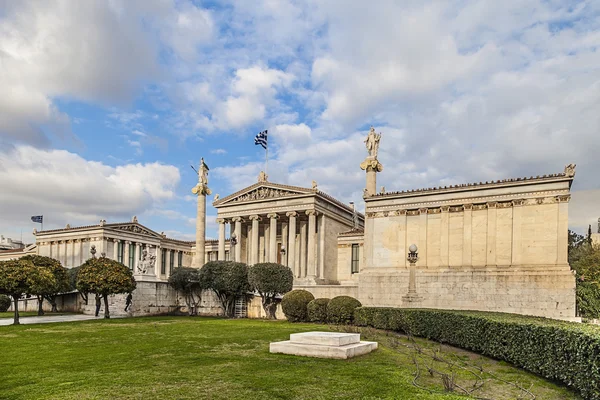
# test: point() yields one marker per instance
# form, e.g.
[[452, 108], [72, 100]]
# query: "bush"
[[340, 309], [317, 310], [588, 299], [4, 303], [270, 280], [557, 350], [294, 305]]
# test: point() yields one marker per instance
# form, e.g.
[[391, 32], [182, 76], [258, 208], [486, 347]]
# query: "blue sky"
[[106, 104]]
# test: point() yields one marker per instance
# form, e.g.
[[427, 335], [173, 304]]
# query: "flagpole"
[[267, 158]]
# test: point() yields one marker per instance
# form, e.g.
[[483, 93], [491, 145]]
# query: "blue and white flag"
[[38, 218], [261, 139]]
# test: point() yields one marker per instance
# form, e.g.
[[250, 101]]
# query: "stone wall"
[[330, 291]]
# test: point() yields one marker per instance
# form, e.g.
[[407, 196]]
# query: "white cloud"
[[218, 151], [67, 188]]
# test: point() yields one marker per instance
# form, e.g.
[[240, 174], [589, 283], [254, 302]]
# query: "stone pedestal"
[[324, 345]]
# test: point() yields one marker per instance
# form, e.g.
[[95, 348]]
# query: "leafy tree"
[[270, 280], [21, 277], [228, 280], [104, 277], [61, 277], [5, 302], [576, 242], [187, 282], [587, 270]]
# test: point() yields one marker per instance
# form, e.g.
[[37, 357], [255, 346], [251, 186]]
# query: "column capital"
[[310, 212], [116, 240], [518, 202], [468, 207], [272, 215], [236, 219], [221, 220], [291, 214], [423, 210], [127, 242], [254, 218], [492, 204], [445, 208], [563, 198]]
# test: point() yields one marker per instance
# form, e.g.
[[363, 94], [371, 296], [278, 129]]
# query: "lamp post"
[[233, 243], [413, 257]]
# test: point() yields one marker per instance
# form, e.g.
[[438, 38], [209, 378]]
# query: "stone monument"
[[324, 345], [201, 190], [371, 165]]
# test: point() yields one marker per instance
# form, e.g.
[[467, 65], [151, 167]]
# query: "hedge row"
[[557, 350]]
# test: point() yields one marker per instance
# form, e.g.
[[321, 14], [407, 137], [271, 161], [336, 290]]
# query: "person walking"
[[98, 303], [128, 302]]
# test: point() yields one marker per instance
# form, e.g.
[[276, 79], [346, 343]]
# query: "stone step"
[[325, 338], [323, 351]]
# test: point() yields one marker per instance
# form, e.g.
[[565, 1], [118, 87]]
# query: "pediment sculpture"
[[264, 193]]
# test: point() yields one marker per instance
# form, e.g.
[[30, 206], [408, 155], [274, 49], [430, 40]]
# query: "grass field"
[[208, 358]]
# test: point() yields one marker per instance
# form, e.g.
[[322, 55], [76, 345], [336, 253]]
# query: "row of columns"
[[300, 250]]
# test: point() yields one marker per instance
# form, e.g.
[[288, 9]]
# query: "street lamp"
[[413, 257]]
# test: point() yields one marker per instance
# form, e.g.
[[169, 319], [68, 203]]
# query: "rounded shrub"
[[4, 303], [317, 310], [294, 305], [340, 309]]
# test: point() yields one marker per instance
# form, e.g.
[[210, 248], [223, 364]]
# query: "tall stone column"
[[74, 252], [158, 261], [81, 255], [321, 248], [201, 190], [291, 241], [516, 234], [126, 256], [238, 234], [284, 246], [371, 165], [116, 249], [221, 254], [68, 252], [467, 259], [562, 244], [422, 236], [168, 263], [303, 231], [249, 244], [254, 245], [136, 260], [491, 233], [311, 247], [272, 238], [445, 236]]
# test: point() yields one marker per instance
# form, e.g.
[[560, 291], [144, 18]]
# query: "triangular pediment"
[[133, 227], [263, 191]]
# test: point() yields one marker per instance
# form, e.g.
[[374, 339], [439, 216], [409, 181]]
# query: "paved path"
[[51, 318]]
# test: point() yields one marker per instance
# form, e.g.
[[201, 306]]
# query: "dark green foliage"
[[228, 280], [586, 263], [588, 300], [294, 305], [557, 350], [340, 309], [61, 276], [21, 277], [270, 280], [317, 310], [104, 277], [187, 282], [4, 303]]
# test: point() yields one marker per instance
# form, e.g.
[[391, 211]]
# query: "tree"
[[228, 280], [21, 277], [73, 282], [187, 281], [104, 277], [61, 277], [270, 280], [587, 269]]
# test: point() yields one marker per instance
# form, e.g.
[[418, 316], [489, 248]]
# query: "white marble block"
[[324, 345]]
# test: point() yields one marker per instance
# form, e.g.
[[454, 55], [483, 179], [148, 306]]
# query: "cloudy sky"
[[105, 104]]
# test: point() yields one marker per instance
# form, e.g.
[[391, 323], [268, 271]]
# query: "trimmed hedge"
[[340, 309], [317, 310], [4, 303], [294, 305], [557, 350]]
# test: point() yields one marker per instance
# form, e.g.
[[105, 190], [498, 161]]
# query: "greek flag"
[[261, 139], [37, 218]]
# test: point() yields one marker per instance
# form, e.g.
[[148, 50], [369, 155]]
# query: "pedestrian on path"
[[128, 302], [98, 303]]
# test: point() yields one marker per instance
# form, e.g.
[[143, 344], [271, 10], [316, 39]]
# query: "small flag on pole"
[[38, 218], [261, 139]]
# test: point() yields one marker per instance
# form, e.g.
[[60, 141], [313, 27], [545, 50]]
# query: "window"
[[180, 259], [171, 261], [131, 255], [355, 255], [163, 261], [120, 251]]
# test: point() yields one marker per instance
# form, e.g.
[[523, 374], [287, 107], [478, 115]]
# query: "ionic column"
[[65, 252], [68, 252], [168, 263], [321, 248], [221, 254], [516, 227], [238, 235], [158, 260], [491, 233], [422, 237], [81, 255], [468, 235], [136, 258], [302, 266], [116, 249], [444, 236], [73, 247], [563, 229], [126, 256], [254, 245], [291, 241], [284, 239], [249, 244], [272, 238], [312, 240]]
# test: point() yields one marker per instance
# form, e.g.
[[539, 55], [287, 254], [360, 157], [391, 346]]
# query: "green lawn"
[[207, 358]]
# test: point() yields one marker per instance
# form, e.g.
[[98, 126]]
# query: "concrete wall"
[[330, 291]]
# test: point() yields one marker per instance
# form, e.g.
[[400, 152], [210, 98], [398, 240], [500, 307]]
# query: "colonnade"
[[296, 233]]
